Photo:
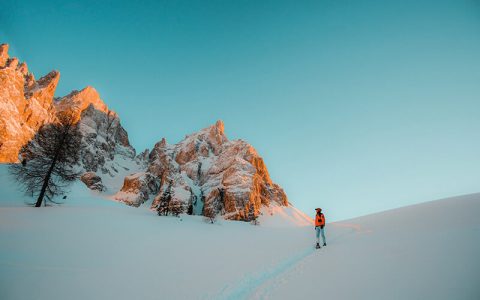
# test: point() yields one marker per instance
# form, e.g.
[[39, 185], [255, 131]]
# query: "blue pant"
[[319, 230]]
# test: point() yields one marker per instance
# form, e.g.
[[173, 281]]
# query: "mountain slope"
[[425, 251], [93, 248]]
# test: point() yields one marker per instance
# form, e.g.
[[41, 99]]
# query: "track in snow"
[[258, 285], [248, 285]]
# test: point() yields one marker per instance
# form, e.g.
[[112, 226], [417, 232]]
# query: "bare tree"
[[48, 161], [176, 207]]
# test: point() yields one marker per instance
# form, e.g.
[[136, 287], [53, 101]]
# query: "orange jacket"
[[319, 220]]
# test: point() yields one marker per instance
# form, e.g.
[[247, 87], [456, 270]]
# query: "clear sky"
[[355, 106]]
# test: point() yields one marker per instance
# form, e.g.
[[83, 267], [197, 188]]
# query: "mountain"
[[206, 173], [26, 104]]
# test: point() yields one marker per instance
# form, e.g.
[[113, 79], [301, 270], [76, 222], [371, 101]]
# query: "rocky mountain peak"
[[219, 127], [162, 143], [206, 171], [3, 54], [78, 101], [44, 89]]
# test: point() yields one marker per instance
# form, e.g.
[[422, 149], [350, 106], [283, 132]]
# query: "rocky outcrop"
[[206, 171], [137, 188], [92, 181], [26, 104]]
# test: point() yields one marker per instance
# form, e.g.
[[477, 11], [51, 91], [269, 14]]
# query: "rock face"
[[26, 104], [137, 188], [93, 181], [206, 171]]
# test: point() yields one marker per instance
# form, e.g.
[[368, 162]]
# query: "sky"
[[355, 106]]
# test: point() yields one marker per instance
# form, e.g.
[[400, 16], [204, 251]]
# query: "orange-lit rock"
[[78, 101], [208, 169], [137, 188], [3, 54], [26, 104]]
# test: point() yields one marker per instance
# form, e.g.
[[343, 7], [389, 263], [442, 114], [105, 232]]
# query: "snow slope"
[[425, 251], [94, 248]]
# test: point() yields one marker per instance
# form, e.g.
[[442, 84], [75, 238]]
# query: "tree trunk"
[[45, 183], [49, 173]]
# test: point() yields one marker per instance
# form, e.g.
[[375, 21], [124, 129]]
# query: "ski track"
[[259, 285], [246, 287]]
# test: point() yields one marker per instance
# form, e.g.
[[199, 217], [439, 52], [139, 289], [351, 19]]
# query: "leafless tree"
[[176, 207], [48, 161]]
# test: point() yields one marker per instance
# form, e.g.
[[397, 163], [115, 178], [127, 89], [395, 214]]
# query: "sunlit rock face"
[[206, 169], [26, 104], [137, 188]]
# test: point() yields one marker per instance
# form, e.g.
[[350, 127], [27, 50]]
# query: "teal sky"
[[356, 106]]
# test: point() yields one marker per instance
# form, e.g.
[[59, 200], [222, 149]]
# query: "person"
[[319, 227]]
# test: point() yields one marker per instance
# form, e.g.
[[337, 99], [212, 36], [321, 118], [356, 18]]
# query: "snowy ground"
[[93, 248]]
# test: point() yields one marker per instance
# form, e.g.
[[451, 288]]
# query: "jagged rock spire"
[[3, 54]]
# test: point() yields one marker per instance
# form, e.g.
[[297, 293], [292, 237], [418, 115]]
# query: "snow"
[[125, 167], [280, 216], [94, 248]]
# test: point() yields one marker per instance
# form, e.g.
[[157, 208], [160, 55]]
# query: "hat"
[[318, 209]]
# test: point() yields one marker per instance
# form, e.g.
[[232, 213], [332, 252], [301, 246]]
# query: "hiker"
[[319, 227]]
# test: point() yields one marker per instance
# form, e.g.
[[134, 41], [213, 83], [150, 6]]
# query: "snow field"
[[95, 248]]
